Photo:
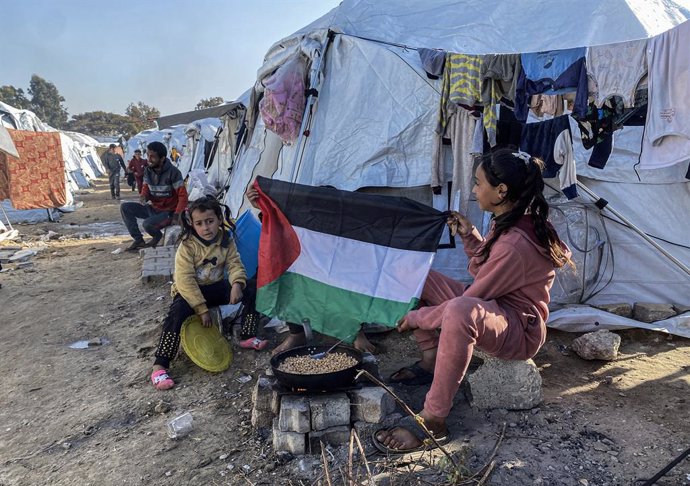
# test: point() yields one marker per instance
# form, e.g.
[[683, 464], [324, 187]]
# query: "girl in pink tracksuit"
[[504, 311]]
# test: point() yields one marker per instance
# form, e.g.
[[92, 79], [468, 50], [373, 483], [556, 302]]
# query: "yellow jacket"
[[197, 263]]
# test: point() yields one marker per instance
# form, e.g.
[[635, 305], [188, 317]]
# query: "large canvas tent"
[[371, 127]]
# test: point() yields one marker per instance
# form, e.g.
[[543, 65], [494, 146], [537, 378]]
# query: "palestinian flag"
[[340, 258]]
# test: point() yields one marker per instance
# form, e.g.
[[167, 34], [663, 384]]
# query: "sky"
[[103, 55]]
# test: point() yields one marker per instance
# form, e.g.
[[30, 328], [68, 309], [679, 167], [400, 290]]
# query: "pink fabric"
[[283, 103], [503, 312]]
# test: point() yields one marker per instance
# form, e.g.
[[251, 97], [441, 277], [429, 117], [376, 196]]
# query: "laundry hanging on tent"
[[461, 85], [499, 81], [461, 131], [616, 70], [433, 62], [284, 100], [552, 142], [597, 128], [36, 179], [668, 110], [552, 72], [546, 105]]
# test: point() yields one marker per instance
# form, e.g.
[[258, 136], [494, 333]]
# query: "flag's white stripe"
[[375, 270]]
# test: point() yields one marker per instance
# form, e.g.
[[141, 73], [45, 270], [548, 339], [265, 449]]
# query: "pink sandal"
[[254, 343], [161, 380]]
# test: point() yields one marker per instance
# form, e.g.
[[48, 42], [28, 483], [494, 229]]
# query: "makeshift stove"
[[303, 419]]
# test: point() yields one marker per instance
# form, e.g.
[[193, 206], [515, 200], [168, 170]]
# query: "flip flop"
[[409, 423], [161, 380], [421, 376]]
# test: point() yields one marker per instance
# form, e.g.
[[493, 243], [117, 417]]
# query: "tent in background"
[[372, 128]]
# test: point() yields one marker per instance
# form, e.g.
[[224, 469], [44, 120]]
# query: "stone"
[[370, 404], [508, 384], [294, 414], [681, 308], [333, 436], [262, 393], [329, 410], [261, 418], [623, 309], [652, 312], [602, 344], [171, 234], [292, 442], [161, 407]]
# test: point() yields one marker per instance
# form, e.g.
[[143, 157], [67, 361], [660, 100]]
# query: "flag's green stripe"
[[330, 310]]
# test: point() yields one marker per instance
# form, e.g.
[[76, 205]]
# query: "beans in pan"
[[304, 365]]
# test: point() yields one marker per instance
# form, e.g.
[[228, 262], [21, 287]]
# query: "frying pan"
[[323, 381]]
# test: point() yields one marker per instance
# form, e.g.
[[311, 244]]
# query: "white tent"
[[372, 125]]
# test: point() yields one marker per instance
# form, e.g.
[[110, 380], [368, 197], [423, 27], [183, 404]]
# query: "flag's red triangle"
[[279, 245]]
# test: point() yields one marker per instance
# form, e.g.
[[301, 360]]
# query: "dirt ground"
[[90, 416]]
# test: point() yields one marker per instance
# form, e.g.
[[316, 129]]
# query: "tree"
[[142, 115], [14, 97], [209, 102], [101, 123], [46, 102]]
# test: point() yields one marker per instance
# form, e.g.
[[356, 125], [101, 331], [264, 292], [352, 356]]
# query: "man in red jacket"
[[163, 198]]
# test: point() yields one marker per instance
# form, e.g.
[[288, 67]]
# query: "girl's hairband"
[[524, 156]]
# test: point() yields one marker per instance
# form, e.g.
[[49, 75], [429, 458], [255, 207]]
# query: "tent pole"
[[314, 86], [604, 204]]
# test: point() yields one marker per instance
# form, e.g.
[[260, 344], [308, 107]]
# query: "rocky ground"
[[90, 416]]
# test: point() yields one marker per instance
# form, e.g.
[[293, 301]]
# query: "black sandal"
[[410, 424], [421, 376]]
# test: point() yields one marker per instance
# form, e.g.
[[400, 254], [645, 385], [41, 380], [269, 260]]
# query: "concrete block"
[[261, 418], [292, 442], [158, 264], [333, 436], [513, 385], [262, 393], [275, 403], [652, 312], [602, 344], [329, 410], [623, 309], [370, 404], [294, 414]]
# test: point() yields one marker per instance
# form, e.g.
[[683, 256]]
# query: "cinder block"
[[371, 404], [509, 384], [292, 442], [294, 414], [262, 393], [330, 410], [333, 436], [261, 418]]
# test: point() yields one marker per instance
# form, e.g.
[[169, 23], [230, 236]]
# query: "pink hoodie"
[[518, 273]]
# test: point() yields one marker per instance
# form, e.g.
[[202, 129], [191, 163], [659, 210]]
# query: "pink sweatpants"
[[464, 322]]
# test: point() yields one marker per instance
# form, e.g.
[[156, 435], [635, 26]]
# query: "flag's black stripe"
[[396, 222]]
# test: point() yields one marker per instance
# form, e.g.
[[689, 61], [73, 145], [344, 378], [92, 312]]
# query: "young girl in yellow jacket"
[[205, 256]]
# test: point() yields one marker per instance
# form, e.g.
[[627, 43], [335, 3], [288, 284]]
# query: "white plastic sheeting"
[[588, 319], [503, 26], [352, 145]]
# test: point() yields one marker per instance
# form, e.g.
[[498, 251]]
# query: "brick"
[[509, 384], [292, 442], [294, 414], [652, 312], [262, 393], [371, 404], [329, 410], [261, 418], [333, 436]]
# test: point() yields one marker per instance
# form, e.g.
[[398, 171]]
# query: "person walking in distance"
[[113, 161]]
